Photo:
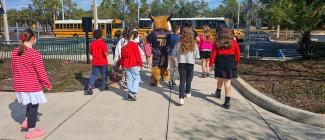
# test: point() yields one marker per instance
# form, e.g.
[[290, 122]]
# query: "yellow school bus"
[[73, 28], [145, 25]]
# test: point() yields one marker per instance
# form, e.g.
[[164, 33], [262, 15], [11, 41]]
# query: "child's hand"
[[49, 87]]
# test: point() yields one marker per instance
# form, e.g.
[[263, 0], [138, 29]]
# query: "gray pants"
[[172, 68]]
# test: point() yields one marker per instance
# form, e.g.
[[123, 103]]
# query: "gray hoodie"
[[188, 58]]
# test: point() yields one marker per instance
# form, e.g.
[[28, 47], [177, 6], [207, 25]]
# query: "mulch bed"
[[66, 76], [299, 83]]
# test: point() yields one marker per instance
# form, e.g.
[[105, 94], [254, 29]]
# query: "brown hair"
[[224, 38], [187, 41], [207, 35], [24, 36]]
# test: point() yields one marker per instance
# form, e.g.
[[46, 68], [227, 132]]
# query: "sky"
[[84, 4]]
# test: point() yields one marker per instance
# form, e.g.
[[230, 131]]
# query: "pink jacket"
[[205, 45]]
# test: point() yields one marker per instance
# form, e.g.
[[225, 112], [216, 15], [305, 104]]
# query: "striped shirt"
[[28, 71]]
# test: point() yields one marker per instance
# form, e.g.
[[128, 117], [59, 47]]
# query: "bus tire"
[[75, 36]]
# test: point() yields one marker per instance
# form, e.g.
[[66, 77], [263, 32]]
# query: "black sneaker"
[[131, 97], [170, 84], [103, 88], [89, 91], [218, 94], [124, 84], [174, 83], [153, 85], [226, 105]]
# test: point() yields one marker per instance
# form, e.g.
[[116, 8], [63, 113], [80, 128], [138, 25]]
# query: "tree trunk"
[[305, 44], [286, 32], [278, 31], [53, 18]]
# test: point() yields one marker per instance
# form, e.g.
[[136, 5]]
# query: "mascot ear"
[[170, 17], [151, 17]]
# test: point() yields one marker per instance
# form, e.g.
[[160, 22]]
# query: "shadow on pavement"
[[146, 81]]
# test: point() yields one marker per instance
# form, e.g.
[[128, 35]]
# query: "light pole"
[[123, 15], [62, 8], [138, 13], [238, 14], [5, 21], [95, 15], [248, 24]]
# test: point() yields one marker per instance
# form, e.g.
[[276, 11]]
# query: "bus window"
[[102, 26], [176, 22], [145, 24], [64, 26], [188, 21], [57, 26], [221, 23]]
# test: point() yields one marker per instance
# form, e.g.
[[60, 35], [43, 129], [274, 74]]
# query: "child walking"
[[29, 78], [172, 39], [99, 52], [186, 51], [205, 45], [131, 61], [225, 57], [147, 50], [122, 42], [117, 37]]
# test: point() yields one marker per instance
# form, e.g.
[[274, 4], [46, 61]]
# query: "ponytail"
[[26, 35]]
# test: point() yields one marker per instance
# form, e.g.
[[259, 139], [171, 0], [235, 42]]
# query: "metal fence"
[[74, 50]]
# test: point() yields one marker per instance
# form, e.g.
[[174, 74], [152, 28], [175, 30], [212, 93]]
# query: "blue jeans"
[[95, 71], [133, 79]]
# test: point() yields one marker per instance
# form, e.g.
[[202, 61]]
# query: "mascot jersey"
[[158, 39]]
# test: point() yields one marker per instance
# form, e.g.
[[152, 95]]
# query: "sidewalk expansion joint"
[[279, 138], [170, 96]]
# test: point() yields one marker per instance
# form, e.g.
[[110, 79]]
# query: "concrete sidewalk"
[[155, 115]]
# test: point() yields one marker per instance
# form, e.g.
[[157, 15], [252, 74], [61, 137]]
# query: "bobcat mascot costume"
[[158, 39]]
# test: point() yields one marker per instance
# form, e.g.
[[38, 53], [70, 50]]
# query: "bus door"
[[109, 31]]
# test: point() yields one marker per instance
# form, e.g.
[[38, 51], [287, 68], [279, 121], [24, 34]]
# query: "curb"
[[271, 40], [276, 107]]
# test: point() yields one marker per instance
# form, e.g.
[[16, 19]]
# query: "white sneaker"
[[188, 95], [181, 101]]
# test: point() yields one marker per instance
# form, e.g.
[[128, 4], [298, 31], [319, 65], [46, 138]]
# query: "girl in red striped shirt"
[[29, 78]]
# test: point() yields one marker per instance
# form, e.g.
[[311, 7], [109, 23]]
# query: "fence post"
[[17, 31], [38, 27]]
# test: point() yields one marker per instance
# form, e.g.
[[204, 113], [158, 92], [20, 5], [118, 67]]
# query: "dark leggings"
[[113, 50], [186, 76], [31, 114]]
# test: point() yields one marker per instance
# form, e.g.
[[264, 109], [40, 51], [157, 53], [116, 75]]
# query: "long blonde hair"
[[187, 40], [207, 35]]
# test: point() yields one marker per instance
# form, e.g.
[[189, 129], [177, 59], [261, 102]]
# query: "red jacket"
[[234, 50], [130, 55], [29, 74]]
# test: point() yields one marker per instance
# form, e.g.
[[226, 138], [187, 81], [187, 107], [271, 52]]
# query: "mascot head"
[[161, 22]]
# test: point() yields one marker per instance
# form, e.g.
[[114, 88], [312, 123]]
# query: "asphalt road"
[[261, 41]]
